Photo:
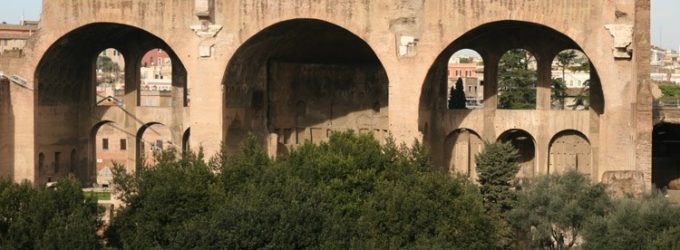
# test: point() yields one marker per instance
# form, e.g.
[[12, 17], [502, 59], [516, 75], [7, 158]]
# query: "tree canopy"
[[351, 192], [517, 80], [60, 217]]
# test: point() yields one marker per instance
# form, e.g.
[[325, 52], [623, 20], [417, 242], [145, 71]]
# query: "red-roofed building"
[[156, 57], [466, 70]]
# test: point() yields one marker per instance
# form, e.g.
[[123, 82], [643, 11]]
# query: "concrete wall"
[[407, 37]]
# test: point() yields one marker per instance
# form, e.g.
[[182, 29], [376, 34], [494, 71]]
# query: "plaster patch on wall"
[[623, 38], [406, 46], [205, 51]]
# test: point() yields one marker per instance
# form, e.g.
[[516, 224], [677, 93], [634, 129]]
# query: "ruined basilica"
[[289, 71]]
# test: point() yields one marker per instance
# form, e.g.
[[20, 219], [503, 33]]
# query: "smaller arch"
[[525, 144], [41, 165], [571, 75], [73, 162], [517, 80], [161, 141], [186, 147], [570, 149], [156, 87], [464, 81], [103, 153], [461, 147], [109, 75]]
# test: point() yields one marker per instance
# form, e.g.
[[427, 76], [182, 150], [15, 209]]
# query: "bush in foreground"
[[497, 167], [60, 217], [553, 210], [647, 223], [351, 192]]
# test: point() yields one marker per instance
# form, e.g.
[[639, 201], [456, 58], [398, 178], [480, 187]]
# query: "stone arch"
[[465, 80], [101, 157], [186, 147], [146, 145], [70, 57], [571, 79], [109, 78], [525, 144], [298, 79], [65, 93], [570, 149], [461, 147], [156, 79], [73, 162], [41, 167], [517, 80], [542, 41]]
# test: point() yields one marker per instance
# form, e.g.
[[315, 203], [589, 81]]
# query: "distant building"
[[471, 71], [156, 70], [110, 79], [13, 37], [665, 65]]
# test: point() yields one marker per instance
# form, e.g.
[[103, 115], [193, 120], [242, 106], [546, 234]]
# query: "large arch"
[[299, 80], [435, 120], [526, 148], [65, 87], [461, 147], [570, 149]]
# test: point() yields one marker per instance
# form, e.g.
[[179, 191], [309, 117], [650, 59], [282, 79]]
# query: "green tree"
[[457, 96], [670, 90], [60, 217], [163, 197], [552, 210], [647, 223], [574, 61], [348, 193], [558, 93], [516, 80], [565, 60], [110, 69], [496, 169]]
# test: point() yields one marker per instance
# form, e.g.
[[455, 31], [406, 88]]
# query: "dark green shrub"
[[350, 192], [60, 217]]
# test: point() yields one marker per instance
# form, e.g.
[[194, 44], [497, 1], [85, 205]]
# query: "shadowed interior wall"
[[665, 158], [570, 150], [300, 80], [66, 109]]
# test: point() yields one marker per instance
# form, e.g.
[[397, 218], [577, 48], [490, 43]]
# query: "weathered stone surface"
[[405, 43], [622, 183]]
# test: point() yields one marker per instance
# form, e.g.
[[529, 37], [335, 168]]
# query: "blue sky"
[[665, 23], [665, 18], [11, 10]]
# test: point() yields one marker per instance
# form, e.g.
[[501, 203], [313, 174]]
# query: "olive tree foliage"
[[553, 210], [60, 217], [650, 222], [348, 193]]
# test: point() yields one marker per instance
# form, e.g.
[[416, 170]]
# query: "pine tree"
[[457, 96], [496, 169]]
